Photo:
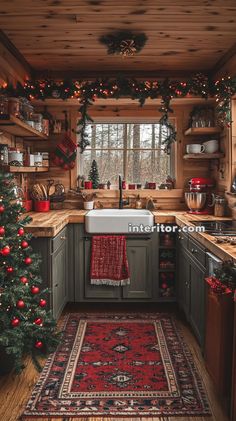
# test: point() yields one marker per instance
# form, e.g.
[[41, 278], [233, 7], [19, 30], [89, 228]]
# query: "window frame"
[[130, 120]]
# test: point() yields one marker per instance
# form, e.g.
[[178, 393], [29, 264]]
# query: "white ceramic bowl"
[[211, 146]]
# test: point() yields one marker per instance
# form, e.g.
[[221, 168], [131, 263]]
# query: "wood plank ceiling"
[[63, 35]]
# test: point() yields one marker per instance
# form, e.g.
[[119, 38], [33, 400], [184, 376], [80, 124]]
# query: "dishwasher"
[[213, 263]]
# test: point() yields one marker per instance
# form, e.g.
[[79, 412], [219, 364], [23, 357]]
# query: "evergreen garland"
[[87, 92]]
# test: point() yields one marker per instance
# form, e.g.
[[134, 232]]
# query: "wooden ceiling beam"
[[13, 66]]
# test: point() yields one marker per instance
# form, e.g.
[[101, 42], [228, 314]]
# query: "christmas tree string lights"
[[25, 320]]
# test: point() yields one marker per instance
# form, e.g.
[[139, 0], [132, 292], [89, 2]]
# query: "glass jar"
[[27, 109], [38, 121], [14, 107], [3, 154], [3, 106]]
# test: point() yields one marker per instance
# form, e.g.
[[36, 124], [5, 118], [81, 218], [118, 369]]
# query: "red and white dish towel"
[[109, 263]]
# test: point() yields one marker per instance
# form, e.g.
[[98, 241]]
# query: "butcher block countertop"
[[49, 224]]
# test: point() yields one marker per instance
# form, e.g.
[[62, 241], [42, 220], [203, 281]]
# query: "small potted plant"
[[88, 199]]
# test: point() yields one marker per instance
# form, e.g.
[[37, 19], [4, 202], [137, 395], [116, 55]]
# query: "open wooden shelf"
[[13, 168], [17, 127], [204, 155], [201, 131]]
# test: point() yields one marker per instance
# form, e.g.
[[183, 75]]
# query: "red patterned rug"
[[119, 365]]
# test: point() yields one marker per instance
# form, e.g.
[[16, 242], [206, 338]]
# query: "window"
[[132, 150]]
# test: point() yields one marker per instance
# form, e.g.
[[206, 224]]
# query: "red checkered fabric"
[[109, 263]]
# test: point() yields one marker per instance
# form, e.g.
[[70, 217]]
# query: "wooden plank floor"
[[15, 390]]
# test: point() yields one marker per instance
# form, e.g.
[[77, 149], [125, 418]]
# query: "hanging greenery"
[[88, 91], [125, 43]]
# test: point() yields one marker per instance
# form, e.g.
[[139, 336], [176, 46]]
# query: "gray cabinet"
[[142, 254], [191, 284], [197, 300], [183, 280], [54, 268], [139, 254]]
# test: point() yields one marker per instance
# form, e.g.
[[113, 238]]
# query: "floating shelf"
[[204, 155], [17, 127], [13, 168], [201, 131]]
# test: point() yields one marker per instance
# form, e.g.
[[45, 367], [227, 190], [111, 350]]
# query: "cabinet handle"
[[56, 285], [194, 251], [63, 237]]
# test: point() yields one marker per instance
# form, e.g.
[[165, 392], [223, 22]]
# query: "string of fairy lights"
[[86, 92]]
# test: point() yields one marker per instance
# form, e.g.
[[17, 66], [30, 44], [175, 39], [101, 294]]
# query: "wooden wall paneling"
[[13, 66], [54, 34]]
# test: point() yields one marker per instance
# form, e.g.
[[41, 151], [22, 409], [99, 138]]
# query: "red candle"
[[88, 185]]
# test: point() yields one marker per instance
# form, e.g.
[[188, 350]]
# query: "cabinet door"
[[59, 280], [95, 291], [140, 264], [197, 301], [183, 267]]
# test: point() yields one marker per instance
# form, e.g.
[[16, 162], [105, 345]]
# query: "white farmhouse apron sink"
[[117, 221]]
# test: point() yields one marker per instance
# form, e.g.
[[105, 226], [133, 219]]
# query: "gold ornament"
[[127, 47]]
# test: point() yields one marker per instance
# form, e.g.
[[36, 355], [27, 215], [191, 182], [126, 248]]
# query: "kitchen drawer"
[[197, 251], [183, 239], [58, 240]]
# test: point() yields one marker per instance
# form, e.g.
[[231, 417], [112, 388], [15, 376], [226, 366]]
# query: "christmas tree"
[[94, 175], [26, 325]]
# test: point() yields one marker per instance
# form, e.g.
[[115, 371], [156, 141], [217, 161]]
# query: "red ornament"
[[24, 280], [24, 244], [38, 321], [2, 208], [15, 322], [28, 260], [34, 290], [42, 303], [10, 269], [164, 286], [2, 231], [38, 344], [5, 251], [66, 167], [21, 231], [20, 304]]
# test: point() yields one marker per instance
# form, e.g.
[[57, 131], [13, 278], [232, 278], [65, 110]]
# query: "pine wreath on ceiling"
[[124, 43]]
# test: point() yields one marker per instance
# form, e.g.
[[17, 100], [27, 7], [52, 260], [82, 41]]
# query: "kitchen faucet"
[[121, 201]]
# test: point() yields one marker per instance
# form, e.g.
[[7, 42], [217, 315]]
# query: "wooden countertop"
[[49, 224]]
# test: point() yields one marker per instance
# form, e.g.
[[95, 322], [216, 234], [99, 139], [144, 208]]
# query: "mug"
[[88, 185], [195, 148], [211, 146]]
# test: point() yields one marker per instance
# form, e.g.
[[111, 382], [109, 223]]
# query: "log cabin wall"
[[184, 169], [226, 170]]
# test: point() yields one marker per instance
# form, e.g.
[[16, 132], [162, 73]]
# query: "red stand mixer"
[[198, 198]]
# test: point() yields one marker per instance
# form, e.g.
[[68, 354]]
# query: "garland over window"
[[88, 91]]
